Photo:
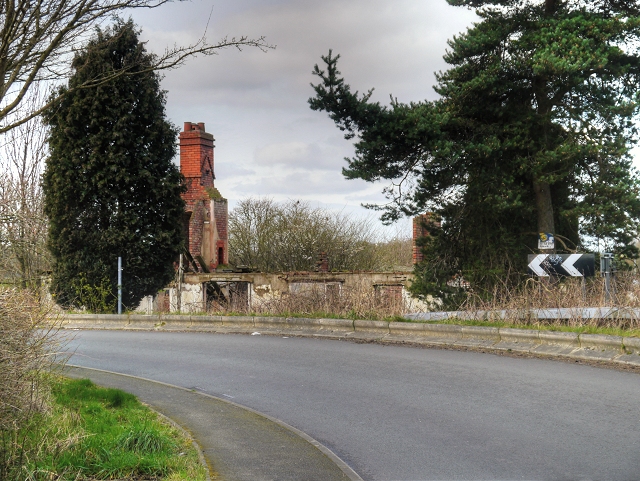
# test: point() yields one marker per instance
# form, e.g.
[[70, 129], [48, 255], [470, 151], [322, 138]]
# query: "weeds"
[[56, 429], [505, 306], [97, 298]]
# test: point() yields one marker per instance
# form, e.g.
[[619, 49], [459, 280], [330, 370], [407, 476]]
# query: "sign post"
[[119, 285], [606, 270]]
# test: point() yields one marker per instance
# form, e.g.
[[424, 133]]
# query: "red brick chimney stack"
[[196, 159], [205, 219]]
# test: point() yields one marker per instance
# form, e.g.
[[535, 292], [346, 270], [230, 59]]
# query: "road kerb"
[[238, 322], [631, 345], [376, 327], [517, 339], [624, 350]]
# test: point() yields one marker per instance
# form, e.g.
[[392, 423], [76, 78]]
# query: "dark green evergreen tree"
[[531, 134], [110, 186]]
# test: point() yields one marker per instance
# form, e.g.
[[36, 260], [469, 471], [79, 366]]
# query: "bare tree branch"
[[37, 37], [23, 225]]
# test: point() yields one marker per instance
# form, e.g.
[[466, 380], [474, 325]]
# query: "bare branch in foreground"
[[38, 38]]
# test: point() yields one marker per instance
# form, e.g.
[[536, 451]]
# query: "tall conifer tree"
[[110, 186], [531, 134]]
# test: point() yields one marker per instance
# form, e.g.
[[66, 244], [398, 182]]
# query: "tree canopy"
[[110, 186], [531, 133]]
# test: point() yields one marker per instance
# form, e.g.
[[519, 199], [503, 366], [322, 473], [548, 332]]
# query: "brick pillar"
[[323, 263], [420, 223]]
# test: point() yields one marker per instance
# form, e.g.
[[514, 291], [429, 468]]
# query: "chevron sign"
[[576, 265]]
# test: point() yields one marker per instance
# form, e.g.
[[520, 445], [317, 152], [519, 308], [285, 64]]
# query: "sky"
[[268, 141]]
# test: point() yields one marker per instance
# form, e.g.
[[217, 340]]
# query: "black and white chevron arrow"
[[576, 265]]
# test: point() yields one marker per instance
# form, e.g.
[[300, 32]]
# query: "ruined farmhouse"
[[203, 276]]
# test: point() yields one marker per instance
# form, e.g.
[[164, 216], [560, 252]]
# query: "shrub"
[[27, 353]]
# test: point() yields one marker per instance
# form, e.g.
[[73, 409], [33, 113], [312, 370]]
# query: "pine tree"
[[110, 186], [531, 134]]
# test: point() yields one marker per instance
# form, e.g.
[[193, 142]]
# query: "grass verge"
[[93, 433], [540, 326]]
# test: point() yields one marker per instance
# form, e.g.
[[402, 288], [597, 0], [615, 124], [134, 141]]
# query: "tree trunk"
[[544, 206], [542, 190], [550, 7]]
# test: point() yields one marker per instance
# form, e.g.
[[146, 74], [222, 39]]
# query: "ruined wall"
[[266, 286], [221, 209]]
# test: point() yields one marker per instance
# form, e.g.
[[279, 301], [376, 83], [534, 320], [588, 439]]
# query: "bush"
[[271, 237], [27, 353]]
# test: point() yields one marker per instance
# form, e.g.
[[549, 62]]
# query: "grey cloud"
[[394, 46], [268, 141], [301, 184], [228, 170], [299, 155]]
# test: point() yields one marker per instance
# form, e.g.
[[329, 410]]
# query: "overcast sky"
[[268, 141]]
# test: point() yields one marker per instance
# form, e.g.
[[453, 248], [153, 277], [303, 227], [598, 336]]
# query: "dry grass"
[[323, 300], [515, 303], [504, 306], [27, 352]]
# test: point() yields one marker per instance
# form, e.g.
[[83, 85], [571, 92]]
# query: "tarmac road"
[[400, 413]]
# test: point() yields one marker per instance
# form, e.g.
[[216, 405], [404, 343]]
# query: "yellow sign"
[[546, 241]]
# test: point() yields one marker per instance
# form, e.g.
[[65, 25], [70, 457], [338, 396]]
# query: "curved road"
[[399, 413]]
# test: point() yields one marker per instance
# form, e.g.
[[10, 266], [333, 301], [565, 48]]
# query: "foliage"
[[531, 134], [37, 38], [289, 236], [96, 298], [394, 252], [214, 193], [110, 186]]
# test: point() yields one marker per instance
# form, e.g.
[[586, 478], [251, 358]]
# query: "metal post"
[[179, 285], [606, 267], [119, 285]]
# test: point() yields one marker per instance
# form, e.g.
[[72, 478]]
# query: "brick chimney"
[[205, 221], [196, 160]]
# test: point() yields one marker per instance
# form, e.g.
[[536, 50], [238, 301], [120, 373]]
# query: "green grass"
[[97, 433], [588, 329]]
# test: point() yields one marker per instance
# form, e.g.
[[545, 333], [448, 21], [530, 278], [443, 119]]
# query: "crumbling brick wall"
[[221, 209]]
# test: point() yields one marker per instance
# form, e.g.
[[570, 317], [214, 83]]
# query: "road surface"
[[400, 413]]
